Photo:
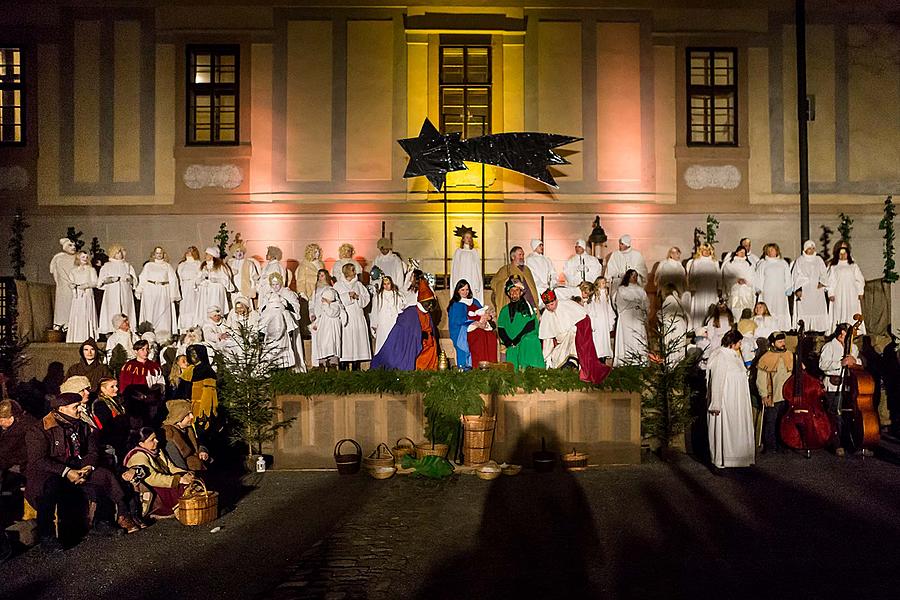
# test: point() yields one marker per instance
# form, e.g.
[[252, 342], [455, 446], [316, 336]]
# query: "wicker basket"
[[478, 439], [382, 472], [380, 457], [198, 505], [55, 336], [431, 449], [575, 461], [347, 464], [400, 451]]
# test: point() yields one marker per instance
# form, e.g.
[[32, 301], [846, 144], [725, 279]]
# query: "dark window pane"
[[465, 103], [213, 95], [712, 96]]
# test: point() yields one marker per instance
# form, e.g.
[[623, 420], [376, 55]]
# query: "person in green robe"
[[517, 328]]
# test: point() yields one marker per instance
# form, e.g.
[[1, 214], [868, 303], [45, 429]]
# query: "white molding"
[[224, 176], [698, 177]]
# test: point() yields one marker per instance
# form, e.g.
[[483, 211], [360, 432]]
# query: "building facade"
[[151, 123]]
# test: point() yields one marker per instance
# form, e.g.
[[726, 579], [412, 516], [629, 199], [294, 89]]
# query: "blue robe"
[[458, 325], [403, 343]]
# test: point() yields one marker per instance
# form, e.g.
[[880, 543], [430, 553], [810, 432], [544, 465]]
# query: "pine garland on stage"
[[887, 225]]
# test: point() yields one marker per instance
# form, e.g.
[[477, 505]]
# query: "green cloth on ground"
[[518, 330], [433, 467]]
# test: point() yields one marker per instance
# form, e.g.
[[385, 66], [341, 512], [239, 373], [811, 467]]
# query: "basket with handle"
[[478, 438], [197, 505], [381, 457], [399, 451], [431, 449], [575, 461], [347, 464]]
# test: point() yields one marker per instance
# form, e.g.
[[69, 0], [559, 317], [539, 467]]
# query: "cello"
[[862, 430], [806, 425]]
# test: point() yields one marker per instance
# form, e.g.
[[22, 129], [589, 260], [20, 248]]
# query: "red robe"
[[482, 343], [427, 360], [135, 373], [591, 369]]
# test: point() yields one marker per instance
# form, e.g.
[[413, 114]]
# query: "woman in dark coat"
[[90, 365]]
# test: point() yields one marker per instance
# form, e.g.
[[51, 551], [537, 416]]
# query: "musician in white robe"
[[117, 279], [832, 361], [189, 312], [622, 260], [158, 291], [214, 281], [272, 265], [631, 304], [345, 257], [774, 284], [729, 413], [603, 318], [542, 268], [580, 268], [467, 263], [387, 303], [557, 329], [245, 270], [845, 284], [82, 311], [61, 268], [703, 279], [389, 263], [809, 275], [737, 281], [331, 318], [670, 271], [279, 315], [355, 341]]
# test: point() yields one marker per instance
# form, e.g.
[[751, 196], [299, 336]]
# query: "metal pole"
[[542, 232], [483, 201], [446, 259], [383, 228], [802, 118]]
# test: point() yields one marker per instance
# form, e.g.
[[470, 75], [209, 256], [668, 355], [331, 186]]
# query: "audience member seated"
[[198, 382], [110, 417], [81, 385], [182, 446], [91, 364], [14, 423], [164, 481], [63, 455], [141, 370]]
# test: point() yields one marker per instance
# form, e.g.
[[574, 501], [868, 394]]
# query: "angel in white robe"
[[279, 319], [467, 263], [82, 311], [729, 413], [774, 284], [331, 318], [846, 285], [738, 281], [631, 304], [389, 263], [387, 303], [580, 268], [345, 257], [623, 259], [214, 282], [158, 291], [670, 271], [117, 279], [703, 279], [272, 265], [355, 341], [542, 268], [244, 269], [603, 318], [190, 313], [810, 278], [61, 268]]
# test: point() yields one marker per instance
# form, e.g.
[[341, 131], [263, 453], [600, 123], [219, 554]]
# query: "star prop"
[[434, 155]]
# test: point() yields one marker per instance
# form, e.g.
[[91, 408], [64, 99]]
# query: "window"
[[465, 92], [712, 96], [212, 95], [12, 96]]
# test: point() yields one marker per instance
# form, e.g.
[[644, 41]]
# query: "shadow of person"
[[537, 539], [56, 374]]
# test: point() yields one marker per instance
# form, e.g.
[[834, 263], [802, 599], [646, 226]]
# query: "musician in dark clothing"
[[832, 361]]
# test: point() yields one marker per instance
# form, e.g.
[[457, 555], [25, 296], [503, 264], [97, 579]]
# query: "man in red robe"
[[427, 360]]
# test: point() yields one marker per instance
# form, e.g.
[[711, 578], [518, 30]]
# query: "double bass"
[[806, 425], [861, 428]]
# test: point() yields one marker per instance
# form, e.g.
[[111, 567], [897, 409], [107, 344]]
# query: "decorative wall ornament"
[[698, 177], [13, 178], [223, 176]]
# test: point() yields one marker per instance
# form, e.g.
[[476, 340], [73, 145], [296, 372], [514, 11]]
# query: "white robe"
[[126, 339], [158, 290], [245, 275], [674, 320], [845, 284], [272, 266], [731, 435], [671, 271], [618, 264], [355, 341], [580, 268], [765, 326], [631, 326], [773, 282], [82, 311], [118, 295], [809, 275], [213, 286], [61, 267], [703, 278], [279, 318], [467, 265], [740, 295], [830, 358], [750, 256], [336, 271], [542, 270], [391, 265], [189, 311], [603, 321], [237, 327], [385, 308], [331, 318], [557, 332]]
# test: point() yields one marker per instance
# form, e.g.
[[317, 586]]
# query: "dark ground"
[[788, 528]]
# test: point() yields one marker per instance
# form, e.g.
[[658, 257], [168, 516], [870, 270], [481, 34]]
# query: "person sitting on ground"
[[198, 382], [14, 423], [81, 385], [182, 446], [165, 481], [110, 418], [63, 454], [90, 365]]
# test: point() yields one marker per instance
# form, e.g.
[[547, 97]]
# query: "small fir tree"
[[712, 228], [222, 239], [887, 225], [17, 244], [825, 240], [845, 228], [75, 236]]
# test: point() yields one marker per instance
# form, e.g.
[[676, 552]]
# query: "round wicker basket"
[[380, 457], [399, 451]]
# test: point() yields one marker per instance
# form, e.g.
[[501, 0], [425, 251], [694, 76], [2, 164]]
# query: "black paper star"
[[430, 155]]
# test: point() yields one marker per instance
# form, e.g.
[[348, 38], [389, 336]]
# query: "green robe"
[[522, 349]]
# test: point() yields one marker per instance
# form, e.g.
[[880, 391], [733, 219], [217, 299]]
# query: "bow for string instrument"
[[806, 425], [861, 428]]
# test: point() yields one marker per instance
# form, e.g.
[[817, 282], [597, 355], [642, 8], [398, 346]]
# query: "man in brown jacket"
[[517, 269], [772, 371]]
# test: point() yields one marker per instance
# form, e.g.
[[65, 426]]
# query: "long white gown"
[[671, 271], [580, 268], [272, 266], [245, 276], [385, 308], [603, 321], [731, 442], [355, 341], [631, 327], [542, 270], [328, 328], [61, 268], [82, 311], [740, 295], [158, 290], [618, 264], [674, 320], [118, 295], [213, 286], [765, 326], [703, 277], [279, 314], [557, 332], [391, 265], [189, 308], [336, 268], [846, 284], [809, 274], [467, 265], [773, 282]]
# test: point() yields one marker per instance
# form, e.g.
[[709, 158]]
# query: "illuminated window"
[[212, 95], [712, 97], [12, 96], [465, 92]]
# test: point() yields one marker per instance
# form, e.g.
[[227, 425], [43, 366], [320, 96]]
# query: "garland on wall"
[[887, 225]]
